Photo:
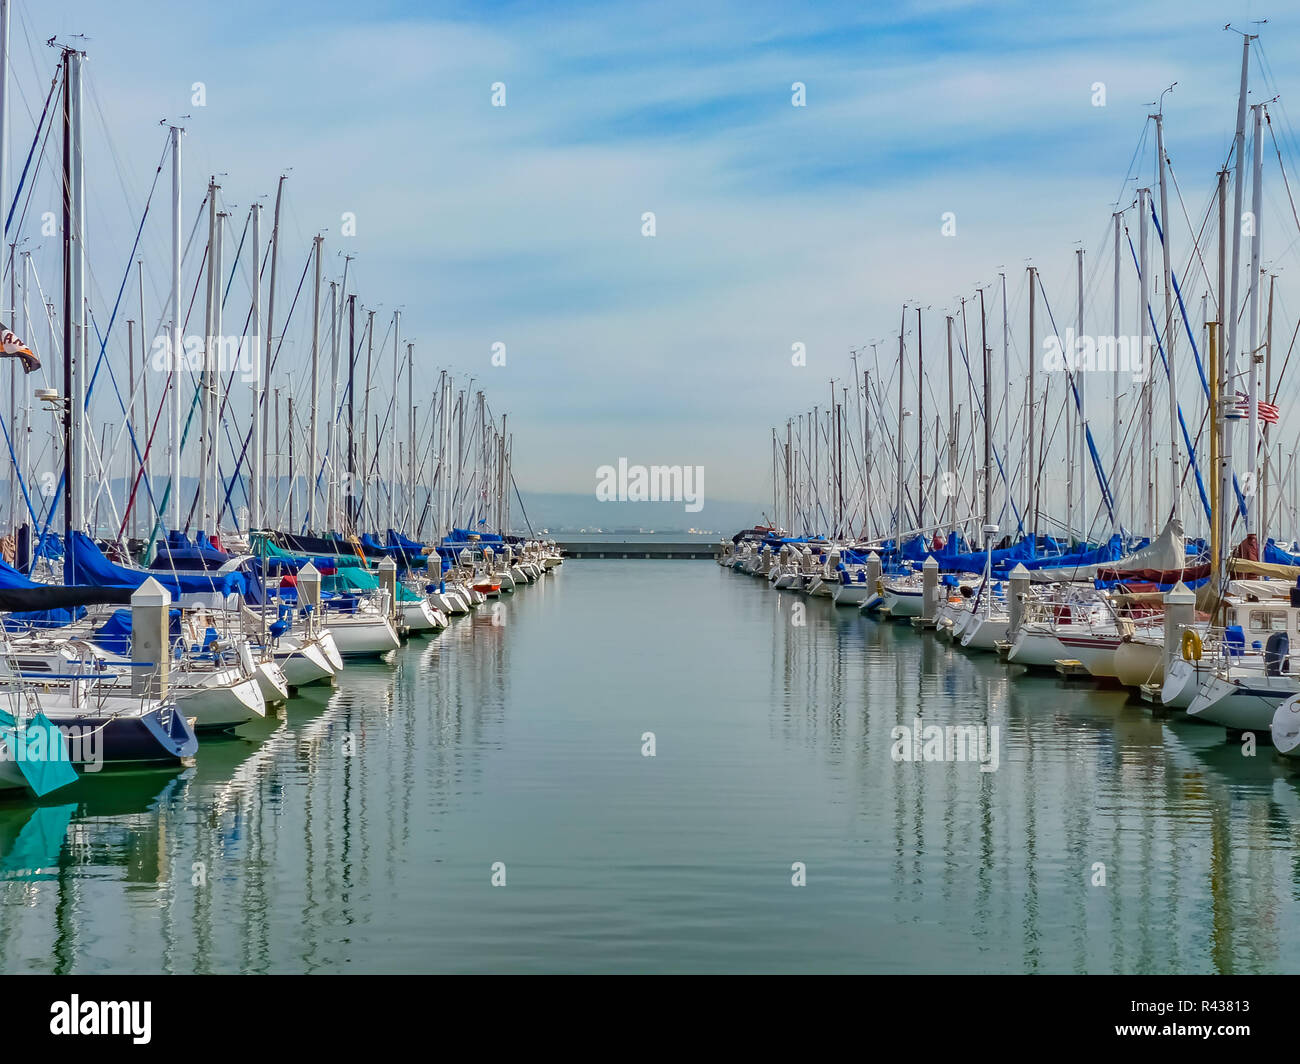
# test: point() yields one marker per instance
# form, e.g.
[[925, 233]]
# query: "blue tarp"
[[89, 566], [1277, 556], [114, 635], [61, 618]]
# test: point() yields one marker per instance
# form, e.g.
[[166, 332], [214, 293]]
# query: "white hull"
[[851, 594], [983, 633], [225, 701], [304, 664], [363, 635], [1036, 647], [271, 682], [1246, 702]]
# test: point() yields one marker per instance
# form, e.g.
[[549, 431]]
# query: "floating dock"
[[640, 549]]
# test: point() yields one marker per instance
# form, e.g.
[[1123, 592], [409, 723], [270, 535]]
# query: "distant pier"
[[639, 549]]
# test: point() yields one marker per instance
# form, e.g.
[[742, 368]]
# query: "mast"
[[315, 390], [264, 382], [1252, 433], [1148, 384], [988, 472], [1006, 399], [1032, 499], [73, 301], [350, 495], [206, 367], [1115, 334], [392, 428], [331, 455], [950, 493], [174, 444], [920, 426], [1219, 369], [1228, 312], [1080, 379], [365, 417], [257, 454], [1264, 479], [410, 405], [898, 521], [1171, 337]]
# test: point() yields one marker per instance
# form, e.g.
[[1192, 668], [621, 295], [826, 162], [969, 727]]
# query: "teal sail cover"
[[40, 751]]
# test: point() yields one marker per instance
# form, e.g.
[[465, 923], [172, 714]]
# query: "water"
[[358, 833]]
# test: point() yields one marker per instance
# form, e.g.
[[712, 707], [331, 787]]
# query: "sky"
[[775, 224]]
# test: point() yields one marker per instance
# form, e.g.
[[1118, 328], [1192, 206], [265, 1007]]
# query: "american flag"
[[1268, 412]]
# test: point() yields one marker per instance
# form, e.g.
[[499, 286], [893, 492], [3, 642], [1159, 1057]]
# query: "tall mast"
[[988, 471], [350, 495], [1264, 484], [174, 444], [898, 522], [392, 427], [1171, 336], [365, 418], [1080, 380], [265, 377], [950, 488], [1228, 312], [1148, 383], [312, 455], [73, 297], [1115, 334], [1032, 497], [206, 365], [920, 426], [1006, 399], [1252, 434], [331, 455], [257, 456], [410, 406]]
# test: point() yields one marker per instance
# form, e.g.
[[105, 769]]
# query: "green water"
[[358, 832]]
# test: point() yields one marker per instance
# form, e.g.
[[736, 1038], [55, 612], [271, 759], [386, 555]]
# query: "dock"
[[640, 549]]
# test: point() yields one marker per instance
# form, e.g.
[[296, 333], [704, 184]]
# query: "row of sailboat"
[[192, 517], [1031, 524]]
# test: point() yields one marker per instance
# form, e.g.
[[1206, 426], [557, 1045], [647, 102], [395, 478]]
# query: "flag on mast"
[[12, 347]]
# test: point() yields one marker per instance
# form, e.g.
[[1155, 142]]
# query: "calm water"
[[358, 833]]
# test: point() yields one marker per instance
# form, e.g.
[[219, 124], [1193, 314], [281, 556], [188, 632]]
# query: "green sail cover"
[[40, 751]]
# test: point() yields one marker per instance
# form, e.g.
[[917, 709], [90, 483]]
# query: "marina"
[[714, 491]]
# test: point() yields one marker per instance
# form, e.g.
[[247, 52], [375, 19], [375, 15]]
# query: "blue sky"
[[775, 224]]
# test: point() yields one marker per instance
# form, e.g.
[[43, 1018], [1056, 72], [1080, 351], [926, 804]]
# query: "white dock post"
[[1016, 602], [388, 581], [150, 652]]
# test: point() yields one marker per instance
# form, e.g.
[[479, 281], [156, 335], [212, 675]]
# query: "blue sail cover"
[[1277, 556], [372, 546], [59, 618], [114, 635], [178, 552], [11, 578], [1111, 551], [89, 566], [396, 539], [461, 535]]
